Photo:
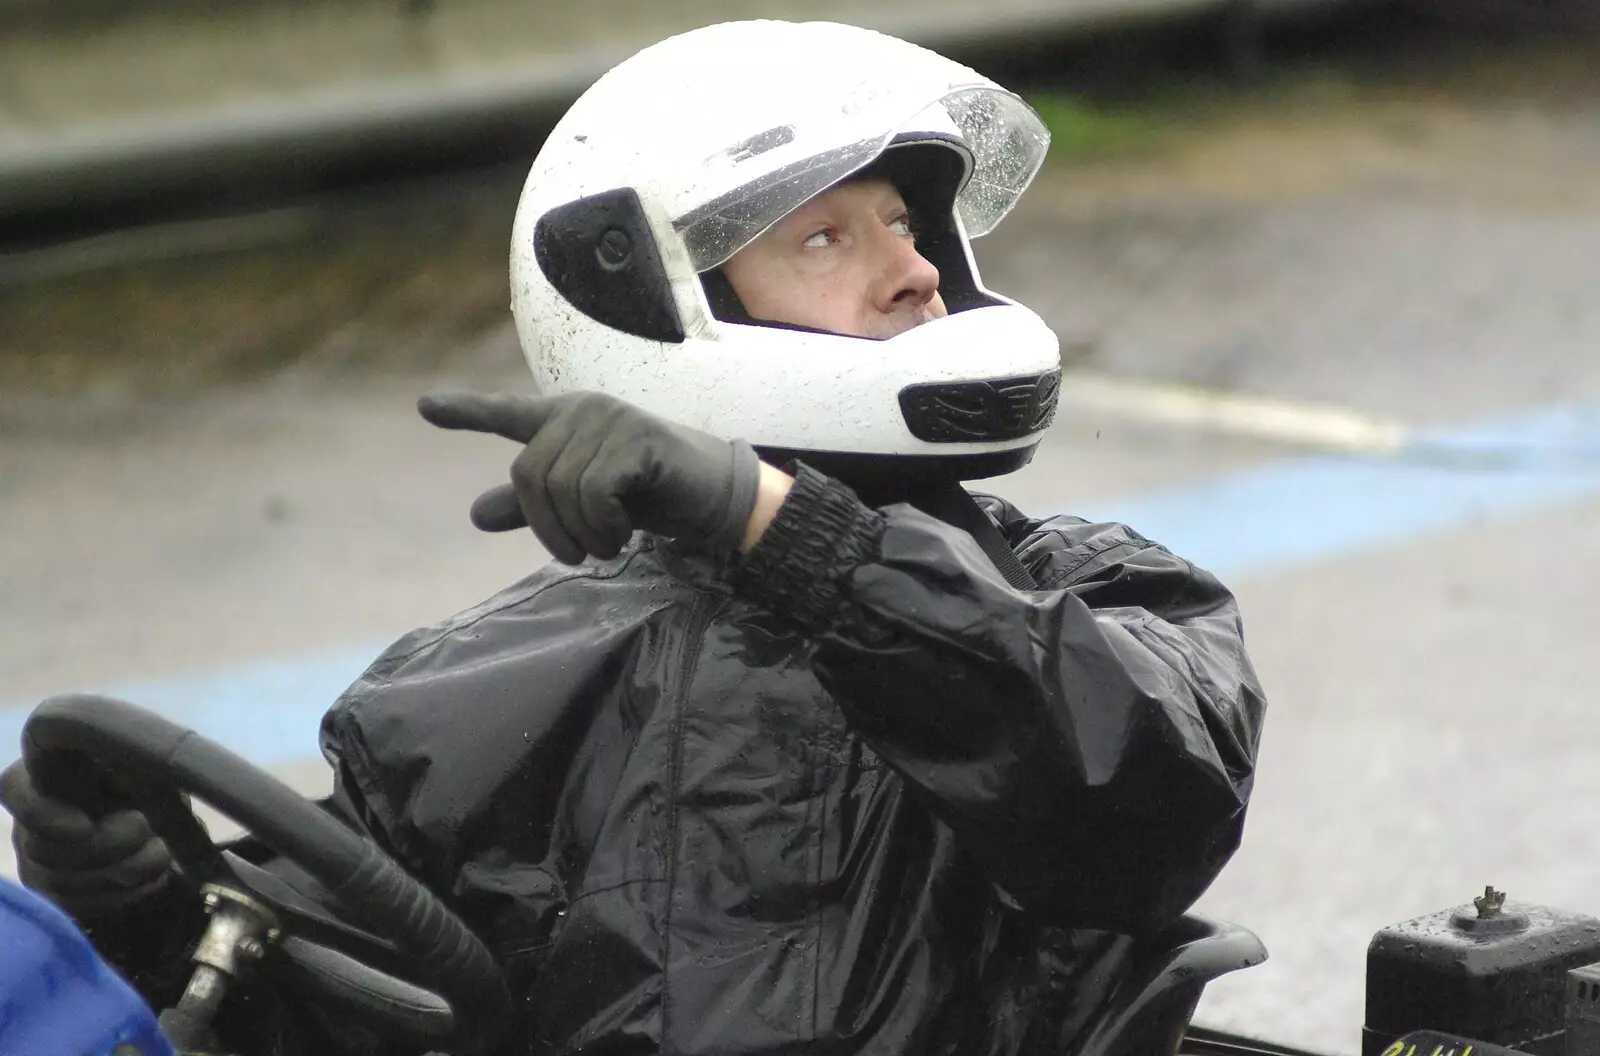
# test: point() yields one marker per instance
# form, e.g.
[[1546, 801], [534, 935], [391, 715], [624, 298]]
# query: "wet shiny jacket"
[[849, 794]]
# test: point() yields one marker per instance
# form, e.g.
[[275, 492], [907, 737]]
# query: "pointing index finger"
[[512, 416]]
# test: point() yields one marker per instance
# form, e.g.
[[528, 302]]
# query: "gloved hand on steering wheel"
[[92, 868]]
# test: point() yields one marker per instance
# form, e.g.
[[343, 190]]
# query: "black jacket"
[[849, 794]]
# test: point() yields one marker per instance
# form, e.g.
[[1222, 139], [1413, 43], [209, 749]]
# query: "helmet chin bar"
[[944, 412]]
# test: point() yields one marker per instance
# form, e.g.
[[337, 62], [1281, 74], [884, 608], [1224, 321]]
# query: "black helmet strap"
[[951, 503], [955, 506]]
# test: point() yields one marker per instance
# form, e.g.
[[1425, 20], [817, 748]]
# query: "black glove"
[[90, 867], [595, 468]]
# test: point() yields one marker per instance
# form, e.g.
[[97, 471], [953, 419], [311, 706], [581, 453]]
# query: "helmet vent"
[[977, 411], [761, 142]]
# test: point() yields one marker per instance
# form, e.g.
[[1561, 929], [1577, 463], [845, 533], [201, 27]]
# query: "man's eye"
[[820, 239], [902, 226]]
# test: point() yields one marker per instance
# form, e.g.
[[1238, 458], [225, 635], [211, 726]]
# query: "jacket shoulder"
[[555, 588], [1062, 550]]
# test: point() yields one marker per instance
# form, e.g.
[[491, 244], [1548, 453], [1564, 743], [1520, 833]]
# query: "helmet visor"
[[1005, 136]]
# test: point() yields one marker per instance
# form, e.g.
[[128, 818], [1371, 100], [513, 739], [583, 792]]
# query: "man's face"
[[845, 261]]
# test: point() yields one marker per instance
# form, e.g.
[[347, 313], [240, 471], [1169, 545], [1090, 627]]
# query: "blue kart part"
[[57, 997]]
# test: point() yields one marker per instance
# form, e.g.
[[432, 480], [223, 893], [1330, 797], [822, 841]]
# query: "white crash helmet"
[[681, 155]]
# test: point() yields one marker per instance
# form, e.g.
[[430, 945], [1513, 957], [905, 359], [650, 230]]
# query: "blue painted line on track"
[[1277, 516], [267, 711], [1319, 508]]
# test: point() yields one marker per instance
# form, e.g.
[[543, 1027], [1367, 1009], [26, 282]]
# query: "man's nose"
[[908, 279]]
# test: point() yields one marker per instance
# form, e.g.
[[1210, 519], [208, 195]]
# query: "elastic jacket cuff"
[[821, 534]]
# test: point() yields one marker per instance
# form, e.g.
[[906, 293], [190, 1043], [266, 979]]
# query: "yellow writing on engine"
[[1400, 1048]]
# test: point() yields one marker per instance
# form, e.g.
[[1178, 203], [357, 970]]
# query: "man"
[[799, 748]]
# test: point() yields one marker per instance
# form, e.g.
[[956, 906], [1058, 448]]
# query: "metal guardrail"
[[177, 99]]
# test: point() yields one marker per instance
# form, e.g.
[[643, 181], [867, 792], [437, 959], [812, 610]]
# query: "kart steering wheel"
[[94, 751]]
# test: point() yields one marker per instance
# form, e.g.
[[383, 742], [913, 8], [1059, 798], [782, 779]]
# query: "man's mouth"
[[898, 323]]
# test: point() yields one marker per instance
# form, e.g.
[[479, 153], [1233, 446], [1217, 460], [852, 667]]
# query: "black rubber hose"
[[377, 893]]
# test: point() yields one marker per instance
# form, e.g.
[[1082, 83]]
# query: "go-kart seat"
[[1148, 1012]]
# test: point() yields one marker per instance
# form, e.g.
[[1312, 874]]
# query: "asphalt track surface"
[[1415, 253]]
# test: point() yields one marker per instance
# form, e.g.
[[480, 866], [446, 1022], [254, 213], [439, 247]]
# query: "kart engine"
[[1515, 976]]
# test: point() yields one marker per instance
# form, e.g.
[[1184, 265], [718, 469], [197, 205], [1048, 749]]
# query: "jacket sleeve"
[[1092, 743]]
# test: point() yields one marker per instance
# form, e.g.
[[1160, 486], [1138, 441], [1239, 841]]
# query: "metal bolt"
[[1491, 902], [614, 250], [212, 901], [251, 949]]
